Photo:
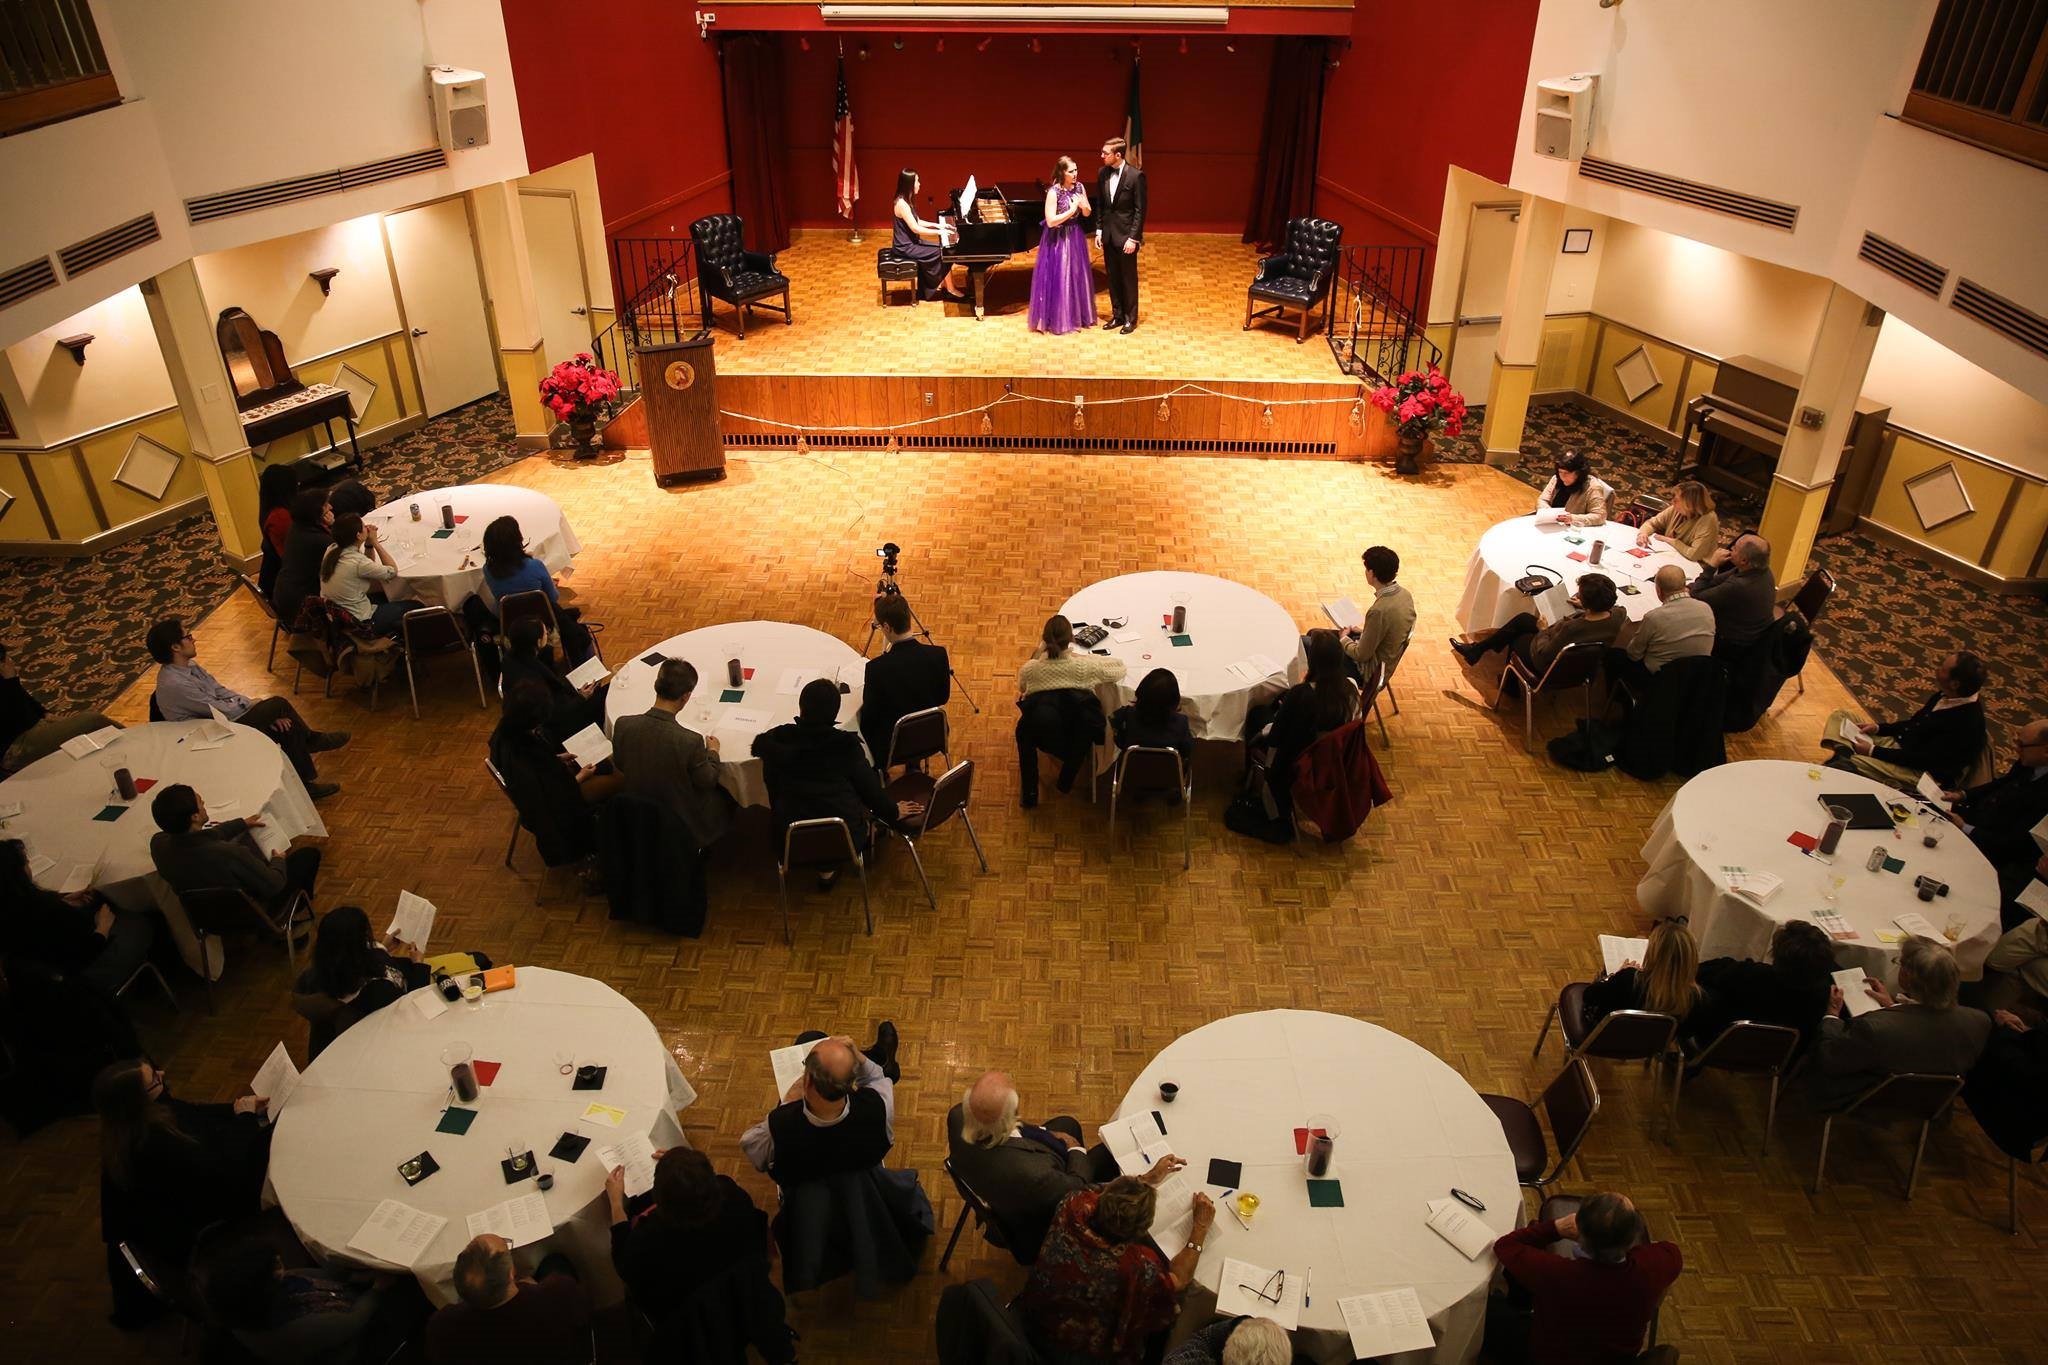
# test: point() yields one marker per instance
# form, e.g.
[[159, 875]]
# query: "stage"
[[850, 360]]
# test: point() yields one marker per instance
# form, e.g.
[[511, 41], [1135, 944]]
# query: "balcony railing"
[[1983, 76], [52, 66]]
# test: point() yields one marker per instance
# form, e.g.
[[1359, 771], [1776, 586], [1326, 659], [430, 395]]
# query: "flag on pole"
[[1134, 125], [844, 173]]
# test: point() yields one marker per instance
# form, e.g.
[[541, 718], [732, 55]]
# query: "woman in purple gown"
[[1062, 282]]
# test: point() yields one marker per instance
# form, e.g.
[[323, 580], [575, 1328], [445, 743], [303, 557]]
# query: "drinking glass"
[[459, 1058], [473, 990], [1247, 1204], [1319, 1152]]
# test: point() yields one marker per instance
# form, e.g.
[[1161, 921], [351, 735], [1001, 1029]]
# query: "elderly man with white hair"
[[1739, 588], [1021, 1171], [1235, 1341], [1924, 1030]]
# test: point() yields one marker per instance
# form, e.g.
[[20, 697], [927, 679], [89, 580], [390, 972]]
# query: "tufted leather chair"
[[727, 270], [1299, 277]]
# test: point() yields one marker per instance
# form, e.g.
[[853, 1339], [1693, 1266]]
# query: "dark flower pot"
[[1407, 451], [583, 431]]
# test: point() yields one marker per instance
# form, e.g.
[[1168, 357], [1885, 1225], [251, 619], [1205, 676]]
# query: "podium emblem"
[[680, 374]]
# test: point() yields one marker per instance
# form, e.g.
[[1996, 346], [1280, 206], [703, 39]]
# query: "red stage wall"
[[638, 88], [1006, 113]]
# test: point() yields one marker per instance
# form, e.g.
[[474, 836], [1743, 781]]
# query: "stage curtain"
[[1285, 184], [754, 141]]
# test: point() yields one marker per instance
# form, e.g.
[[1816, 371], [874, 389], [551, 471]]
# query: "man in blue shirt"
[[185, 691]]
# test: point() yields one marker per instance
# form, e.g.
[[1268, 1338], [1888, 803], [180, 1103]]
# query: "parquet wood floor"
[[1190, 307], [1453, 919]]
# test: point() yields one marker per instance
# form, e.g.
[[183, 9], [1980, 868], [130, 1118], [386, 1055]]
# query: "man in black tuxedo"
[[2001, 814], [910, 675], [1120, 200]]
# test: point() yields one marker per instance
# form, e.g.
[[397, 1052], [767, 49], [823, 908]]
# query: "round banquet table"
[[1508, 550], [59, 795], [373, 1098], [1411, 1129], [1740, 814], [783, 658], [1226, 622], [440, 573]]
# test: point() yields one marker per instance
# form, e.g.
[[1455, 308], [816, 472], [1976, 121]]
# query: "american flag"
[[844, 172]]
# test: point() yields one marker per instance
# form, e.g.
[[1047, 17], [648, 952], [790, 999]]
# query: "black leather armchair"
[[727, 270], [1300, 276]]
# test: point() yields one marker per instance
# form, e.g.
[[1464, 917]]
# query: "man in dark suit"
[[1020, 1170], [1742, 592], [815, 770], [1120, 197], [909, 675], [2000, 815], [1943, 739], [1924, 1031], [668, 764], [190, 855]]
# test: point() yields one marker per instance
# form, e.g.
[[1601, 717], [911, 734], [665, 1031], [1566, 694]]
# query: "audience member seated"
[[1321, 702], [666, 763], [1057, 721], [185, 691], [25, 732], [1100, 1292], [508, 1318], [1154, 720], [1020, 1171], [1790, 990], [1574, 495], [306, 1315], [349, 571], [1590, 1304], [528, 658], [1689, 525], [2007, 1090], [1389, 621], [1944, 738], [2000, 815], [1680, 626], [350, 498], [190, 854], [692, 1227], [1536, 645], [908, 675], [814, 770], [1737, 585], [275, 487], [352, 976], [169, 1168], [508, 569], [2016, 970], [79, 935], [553, 795], [1237, 1341], [1924, 1030], [839, 1116], [1664, 982], [305, 545], [56, 1033]]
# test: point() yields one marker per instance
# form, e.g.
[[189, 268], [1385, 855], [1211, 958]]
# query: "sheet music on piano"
[[967, 197]]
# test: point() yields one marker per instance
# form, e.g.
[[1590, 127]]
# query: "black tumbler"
[[1180, 620], [733, 675], [124, 782]]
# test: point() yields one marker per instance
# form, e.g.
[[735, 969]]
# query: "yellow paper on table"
[[609, 1115]]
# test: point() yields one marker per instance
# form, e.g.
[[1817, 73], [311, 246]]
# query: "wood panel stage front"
[[850, 360]]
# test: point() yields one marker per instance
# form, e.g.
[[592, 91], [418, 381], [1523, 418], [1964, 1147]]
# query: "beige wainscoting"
[[2006, 535], [66, 497]]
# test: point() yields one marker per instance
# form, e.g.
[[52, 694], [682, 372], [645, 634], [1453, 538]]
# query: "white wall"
[[1571, 278], [271, 281], [1708, 299], [123, 376], [579, 178], [1938, 393]]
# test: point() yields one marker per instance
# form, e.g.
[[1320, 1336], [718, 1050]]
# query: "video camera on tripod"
[[885, 586]]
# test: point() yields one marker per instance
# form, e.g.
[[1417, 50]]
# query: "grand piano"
[[271, 400], [1740, 425], [1003, 220]]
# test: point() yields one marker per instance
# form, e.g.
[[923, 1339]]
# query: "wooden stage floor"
[[1453, 919]]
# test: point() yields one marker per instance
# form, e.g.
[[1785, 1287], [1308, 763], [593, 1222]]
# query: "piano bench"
[[891, 268]]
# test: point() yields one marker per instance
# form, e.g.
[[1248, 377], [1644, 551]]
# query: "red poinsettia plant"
[[575, 389], [1421, 403]]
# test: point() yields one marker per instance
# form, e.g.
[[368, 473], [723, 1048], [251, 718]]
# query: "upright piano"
[[270, 398], [1006, 219], [1740, 425]]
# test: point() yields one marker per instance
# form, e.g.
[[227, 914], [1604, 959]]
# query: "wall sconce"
[[325, 278], [76, 345], [705, 19]]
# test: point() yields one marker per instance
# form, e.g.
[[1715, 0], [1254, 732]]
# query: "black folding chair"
[[1143, 770], [1748, 1049], [219, 911], [820, 843], [1909, 1094], [1570, 1103], [943, 800]]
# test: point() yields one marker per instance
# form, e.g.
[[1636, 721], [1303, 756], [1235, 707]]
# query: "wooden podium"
[[678, 382]]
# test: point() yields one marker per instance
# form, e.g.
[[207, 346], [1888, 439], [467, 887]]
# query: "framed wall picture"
[[1637, 374], [1939, 497], [359, 387], [148, 468], [1578, 241]]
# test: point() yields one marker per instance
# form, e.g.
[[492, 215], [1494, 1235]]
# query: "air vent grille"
[[26, 281], [2001, 315], [102, 247], [1910, 266], [1736, 204], [208, 207]]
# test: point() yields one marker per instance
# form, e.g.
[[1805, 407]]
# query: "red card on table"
[[461, 517], [1166, 618], [746, 673], [486, 1072], [1805, 843], [143, 784], [1574, 554], [1301, 1140], [1640, 553]]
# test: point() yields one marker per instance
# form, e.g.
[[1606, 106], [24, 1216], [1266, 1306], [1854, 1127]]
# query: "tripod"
[[885, 586]]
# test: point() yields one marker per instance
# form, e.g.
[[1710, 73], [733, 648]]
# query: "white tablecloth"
[[440, 573], [772, 649], [1411, 1128], [1508, 549], [373, 1098], [1227, 623], [59, 795], [1740, 814]]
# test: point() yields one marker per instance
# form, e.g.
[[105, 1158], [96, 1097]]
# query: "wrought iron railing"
[[656, 278], [1375, 325]]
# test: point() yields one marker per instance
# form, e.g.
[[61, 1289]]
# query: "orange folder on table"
[[500, 979]]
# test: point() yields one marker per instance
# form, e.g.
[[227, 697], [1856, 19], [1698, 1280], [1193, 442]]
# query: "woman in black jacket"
[[1154, 720], [528, 656], [690, 1228], [79, 935], [1322, 701], [555, 798], [298, 577], [352, 976], [1790, 990]]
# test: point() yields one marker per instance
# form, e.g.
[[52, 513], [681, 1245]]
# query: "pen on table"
[[1306, 1272]]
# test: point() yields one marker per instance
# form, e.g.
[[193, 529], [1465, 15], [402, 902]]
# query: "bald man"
[[503, 1317], [838, 1117], [1742, 592], [1021, 1171], [1679, 627]]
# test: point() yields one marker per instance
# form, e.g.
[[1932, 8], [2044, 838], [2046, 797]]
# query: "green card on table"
[[1180, 641], [732, 694], [111, 812], [1325, 1194], [455, 1120]]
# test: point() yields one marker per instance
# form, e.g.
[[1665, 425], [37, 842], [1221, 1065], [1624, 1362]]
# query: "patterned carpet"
[[75, 626], [1891, 618]]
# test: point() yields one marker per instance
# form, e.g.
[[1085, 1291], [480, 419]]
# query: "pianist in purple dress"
[[1062, 284], [920, 241]]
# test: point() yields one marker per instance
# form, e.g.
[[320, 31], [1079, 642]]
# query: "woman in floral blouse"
[[1099, 1290]]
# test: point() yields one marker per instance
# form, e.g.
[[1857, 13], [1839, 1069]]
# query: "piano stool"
[[891, 268]]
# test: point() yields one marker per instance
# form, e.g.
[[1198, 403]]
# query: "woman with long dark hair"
[[274, 489], [1324, 699], [918, 240], [348, 573], [1155, 720], [353, 976], [527, 655], [298, 578], [508, 569]]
